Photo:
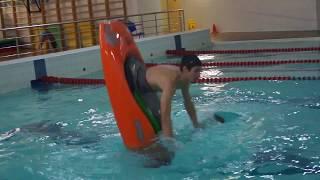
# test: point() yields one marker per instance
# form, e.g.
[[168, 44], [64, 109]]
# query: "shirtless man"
[[168, 78]]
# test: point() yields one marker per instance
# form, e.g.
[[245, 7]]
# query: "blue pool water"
[[276, 135]]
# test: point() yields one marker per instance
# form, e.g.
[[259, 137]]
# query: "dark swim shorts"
[[136, 77]]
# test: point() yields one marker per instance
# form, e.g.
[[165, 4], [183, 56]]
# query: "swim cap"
[[190, 61]]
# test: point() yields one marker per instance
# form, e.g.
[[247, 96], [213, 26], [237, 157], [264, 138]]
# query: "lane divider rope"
[[82, 81], [63, 80], [272, 78], [249, 63], [240, 51]]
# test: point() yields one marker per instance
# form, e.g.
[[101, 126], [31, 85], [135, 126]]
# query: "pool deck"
[[242, 36]]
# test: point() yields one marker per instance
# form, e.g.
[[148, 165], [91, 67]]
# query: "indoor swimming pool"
[[270, 130]]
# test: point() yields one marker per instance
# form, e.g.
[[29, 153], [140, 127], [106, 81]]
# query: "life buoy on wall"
[[137, 121]]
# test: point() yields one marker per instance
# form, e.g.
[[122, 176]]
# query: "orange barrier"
[[117, 46], [214, 30]]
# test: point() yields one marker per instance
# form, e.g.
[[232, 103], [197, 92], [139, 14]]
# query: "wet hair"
[[190, 61]]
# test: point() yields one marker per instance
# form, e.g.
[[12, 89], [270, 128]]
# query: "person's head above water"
[[190, 61], [191, 66]]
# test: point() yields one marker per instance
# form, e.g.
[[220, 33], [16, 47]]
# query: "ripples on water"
[[275, 134], [280, 131]]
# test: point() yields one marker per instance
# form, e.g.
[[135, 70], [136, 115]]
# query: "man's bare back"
[[168, 78], [159, 76]]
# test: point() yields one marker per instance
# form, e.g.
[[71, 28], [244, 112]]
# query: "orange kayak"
[[137, 118]]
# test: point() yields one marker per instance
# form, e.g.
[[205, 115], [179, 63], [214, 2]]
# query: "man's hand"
[[199, 125], [190, 106]]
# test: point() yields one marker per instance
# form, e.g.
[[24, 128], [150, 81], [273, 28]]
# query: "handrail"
[[88, 20], [43, 40]]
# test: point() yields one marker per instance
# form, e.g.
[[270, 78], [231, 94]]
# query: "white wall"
[[143, 6], [132, 7], [146, 6], [318, 13], [243, 15], [253, 15]]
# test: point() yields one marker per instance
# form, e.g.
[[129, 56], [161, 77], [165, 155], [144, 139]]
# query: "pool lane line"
[[248, 63], [183, 52], [84, 81]]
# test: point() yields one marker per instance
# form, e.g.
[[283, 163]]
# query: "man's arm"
[[188, 104], [165, 109]]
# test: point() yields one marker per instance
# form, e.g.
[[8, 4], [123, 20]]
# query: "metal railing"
[[54, 37]]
